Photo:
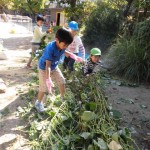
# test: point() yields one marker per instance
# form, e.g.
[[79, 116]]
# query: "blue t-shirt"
[[51, 53]]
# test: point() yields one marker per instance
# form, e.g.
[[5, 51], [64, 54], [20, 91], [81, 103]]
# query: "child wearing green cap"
[[92, 62]]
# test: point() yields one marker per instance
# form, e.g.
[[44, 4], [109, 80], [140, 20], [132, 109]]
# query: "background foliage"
[[102, 26]]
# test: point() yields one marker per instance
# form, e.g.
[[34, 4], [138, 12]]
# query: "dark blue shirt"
[[51, 53]]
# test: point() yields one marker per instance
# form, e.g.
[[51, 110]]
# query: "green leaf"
[[101, 144], [51, 113], [126, 100], [83, 96], [75, 137], [20, 109], [39, 116], [66, 140], [91, 106], [88, 116], [39, 126], [90, 147], [64, 118], [116, 114], [85, 135], [115, 137], [143, 106], [104, 127]]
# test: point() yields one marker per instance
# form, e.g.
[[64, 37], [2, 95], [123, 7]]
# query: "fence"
[[24, 21]]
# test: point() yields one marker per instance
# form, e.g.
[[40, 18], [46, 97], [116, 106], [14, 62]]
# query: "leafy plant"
[[102, 26], [131, 57], [75, 123]]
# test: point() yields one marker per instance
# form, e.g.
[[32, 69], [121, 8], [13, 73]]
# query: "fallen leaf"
[[143, 106], [113, 145], [85, 135], [101, 144], [88, 115]]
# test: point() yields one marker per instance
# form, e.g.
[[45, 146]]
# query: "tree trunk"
[[125, 13]]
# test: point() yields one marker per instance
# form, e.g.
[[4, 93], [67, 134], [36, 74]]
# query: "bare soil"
[[136, 115], [16, 77]]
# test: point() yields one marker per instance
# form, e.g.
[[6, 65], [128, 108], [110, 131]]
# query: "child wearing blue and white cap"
[[75, 47]]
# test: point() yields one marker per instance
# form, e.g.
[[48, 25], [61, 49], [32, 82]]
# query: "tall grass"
[[131, 60], [131, 57]]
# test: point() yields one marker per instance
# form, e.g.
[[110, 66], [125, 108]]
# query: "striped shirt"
[[89, 67], [77, 46]]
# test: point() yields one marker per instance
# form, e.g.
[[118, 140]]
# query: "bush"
[[102, 26], [131, 57], [142, 33]]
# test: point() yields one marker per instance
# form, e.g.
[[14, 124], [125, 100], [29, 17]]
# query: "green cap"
[[95, 51]]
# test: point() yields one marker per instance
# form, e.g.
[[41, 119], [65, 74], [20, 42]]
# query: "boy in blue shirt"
[[48, 66]]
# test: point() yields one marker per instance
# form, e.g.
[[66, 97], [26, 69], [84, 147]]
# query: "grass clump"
[[131, 56]]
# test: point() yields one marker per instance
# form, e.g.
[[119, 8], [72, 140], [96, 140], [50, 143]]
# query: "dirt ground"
[[15, 76], [135, 115]]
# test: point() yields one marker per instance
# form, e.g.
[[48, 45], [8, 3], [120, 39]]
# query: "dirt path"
[[14, 74], [134, 104]]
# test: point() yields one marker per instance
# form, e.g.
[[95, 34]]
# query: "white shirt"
[[38, 34], [76, 46]]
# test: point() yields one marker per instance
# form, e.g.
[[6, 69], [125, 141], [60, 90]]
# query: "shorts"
[[35, 47], [56, 76]]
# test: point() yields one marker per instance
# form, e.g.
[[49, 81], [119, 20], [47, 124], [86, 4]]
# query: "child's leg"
[[65, 63], [58, 77], [62, 89], [40, 96], [71, 63], [34, 48], [42, 89]]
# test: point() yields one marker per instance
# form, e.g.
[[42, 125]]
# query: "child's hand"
[[73, 56], [49, 84], [76, 58], [49, 30], [79, 59]]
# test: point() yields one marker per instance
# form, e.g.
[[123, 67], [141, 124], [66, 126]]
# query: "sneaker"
[[39, 106]]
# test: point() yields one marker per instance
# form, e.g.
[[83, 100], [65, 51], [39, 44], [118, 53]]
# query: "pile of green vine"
[[83, 121]]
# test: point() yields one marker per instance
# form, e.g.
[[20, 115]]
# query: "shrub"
[[102, 26], [131, 57], [142, 33]]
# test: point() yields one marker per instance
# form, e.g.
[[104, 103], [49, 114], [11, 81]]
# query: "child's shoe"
[[39, 106]]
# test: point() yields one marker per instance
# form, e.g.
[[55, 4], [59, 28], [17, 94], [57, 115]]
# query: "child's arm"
[[73, 56], [81, 48], [48, 81], [85, 69], [48, 70]]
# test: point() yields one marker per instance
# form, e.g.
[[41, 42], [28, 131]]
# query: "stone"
[[2, 86], [6, 138]]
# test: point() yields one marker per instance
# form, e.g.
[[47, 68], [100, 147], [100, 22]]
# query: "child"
[[74, 47], [92, 62], [48, 65], [37, 36]]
